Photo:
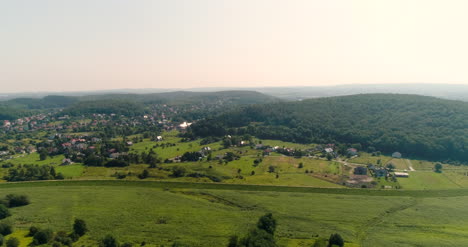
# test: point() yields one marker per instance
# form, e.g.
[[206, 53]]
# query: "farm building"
[[360, 170], [401, 174]]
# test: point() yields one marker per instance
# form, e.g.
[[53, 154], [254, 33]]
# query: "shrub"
[[43, 237], [1, 240], [4, 212], [144, 174], [267, 223], [61, 238], [5, 228], [32, 230], [79, 227], [335, 240], [16, 200], [178, 171], [109, 241], [12, 242]]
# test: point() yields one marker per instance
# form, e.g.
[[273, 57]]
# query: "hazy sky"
[[56, 45]]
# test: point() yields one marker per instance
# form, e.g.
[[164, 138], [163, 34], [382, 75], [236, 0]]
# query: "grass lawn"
[[427, 180], [33, 159], [70, 171], [161, 215], [366, 158]]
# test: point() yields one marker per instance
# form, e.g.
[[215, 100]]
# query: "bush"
[[32, 230], [1, 240], [178, 171], [335, 240], [144, 174], [4, 212], [109, 241], [43, 237], [12, 242], [5, 228], [16, 200], [267, 223], [61, 238], [79, 227], [126, 245]]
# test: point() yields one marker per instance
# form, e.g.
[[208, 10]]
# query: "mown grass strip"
[[242, 187]]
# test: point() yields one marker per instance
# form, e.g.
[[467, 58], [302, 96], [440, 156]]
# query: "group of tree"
[[111, 241], [60, 238], [261, 236], [264, 236], [422, 126], [10, 201], [31, 173]]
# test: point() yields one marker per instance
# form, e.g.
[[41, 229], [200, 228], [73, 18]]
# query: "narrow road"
[[410, 165]]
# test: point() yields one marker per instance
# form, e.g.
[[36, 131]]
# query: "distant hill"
[[130, 104], [444, 91], [413, 125]]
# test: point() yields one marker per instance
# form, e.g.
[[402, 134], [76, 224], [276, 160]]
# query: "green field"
[[427, 180], [207, 214]]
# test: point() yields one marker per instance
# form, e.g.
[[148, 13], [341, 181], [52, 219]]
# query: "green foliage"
[[320, 242], [262, 236], [13, 200], [258, 238], [5, 228], [423, 126], [43, 236], [4, 212], [12, 242], [2, 239], [191, 156], [30, 173], [438, 167], [80, 227], [32, 230], [335, 240], [118, 107], [144, 174], [178, 171], [267, 223], [109, 241], [62, 239]]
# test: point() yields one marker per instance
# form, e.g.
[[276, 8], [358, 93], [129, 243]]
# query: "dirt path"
[[410, 165], [361, 234]]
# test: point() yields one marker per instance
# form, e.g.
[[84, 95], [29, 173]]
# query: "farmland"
[[206, 215]]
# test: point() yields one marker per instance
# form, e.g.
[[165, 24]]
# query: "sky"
[[65, 45]]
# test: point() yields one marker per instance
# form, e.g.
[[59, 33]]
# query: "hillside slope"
[[416, 125]]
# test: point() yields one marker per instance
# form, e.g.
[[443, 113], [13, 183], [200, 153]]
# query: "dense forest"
[[413, 125]]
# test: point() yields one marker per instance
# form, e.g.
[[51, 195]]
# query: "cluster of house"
[[318, 149], [378, 172], [78, 144], [203, 153], [6, 154], [35, 122]]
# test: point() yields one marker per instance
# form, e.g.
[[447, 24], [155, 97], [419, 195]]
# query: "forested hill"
[[413, 125], [130, 104]]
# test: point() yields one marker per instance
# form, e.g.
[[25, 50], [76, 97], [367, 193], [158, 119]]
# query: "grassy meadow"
[[161, 214]]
